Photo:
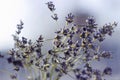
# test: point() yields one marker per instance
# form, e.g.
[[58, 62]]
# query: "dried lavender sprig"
[[66, 52], [51, 6]]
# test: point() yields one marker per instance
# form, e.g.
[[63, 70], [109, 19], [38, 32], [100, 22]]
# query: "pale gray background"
[[36, 17]]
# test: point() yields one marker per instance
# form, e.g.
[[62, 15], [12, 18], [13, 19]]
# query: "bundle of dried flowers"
[[67, 55]]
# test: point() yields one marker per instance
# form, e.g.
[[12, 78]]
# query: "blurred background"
[[37, 20]]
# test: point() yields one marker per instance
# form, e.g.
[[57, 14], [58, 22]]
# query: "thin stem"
[[53, 67], [49, 39]]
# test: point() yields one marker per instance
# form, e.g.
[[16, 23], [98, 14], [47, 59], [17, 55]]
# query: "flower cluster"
[[78, 46], [74, 49], [25, 51], [51, 6]]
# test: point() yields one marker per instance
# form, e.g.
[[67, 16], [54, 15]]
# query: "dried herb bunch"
[[75, 47]]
